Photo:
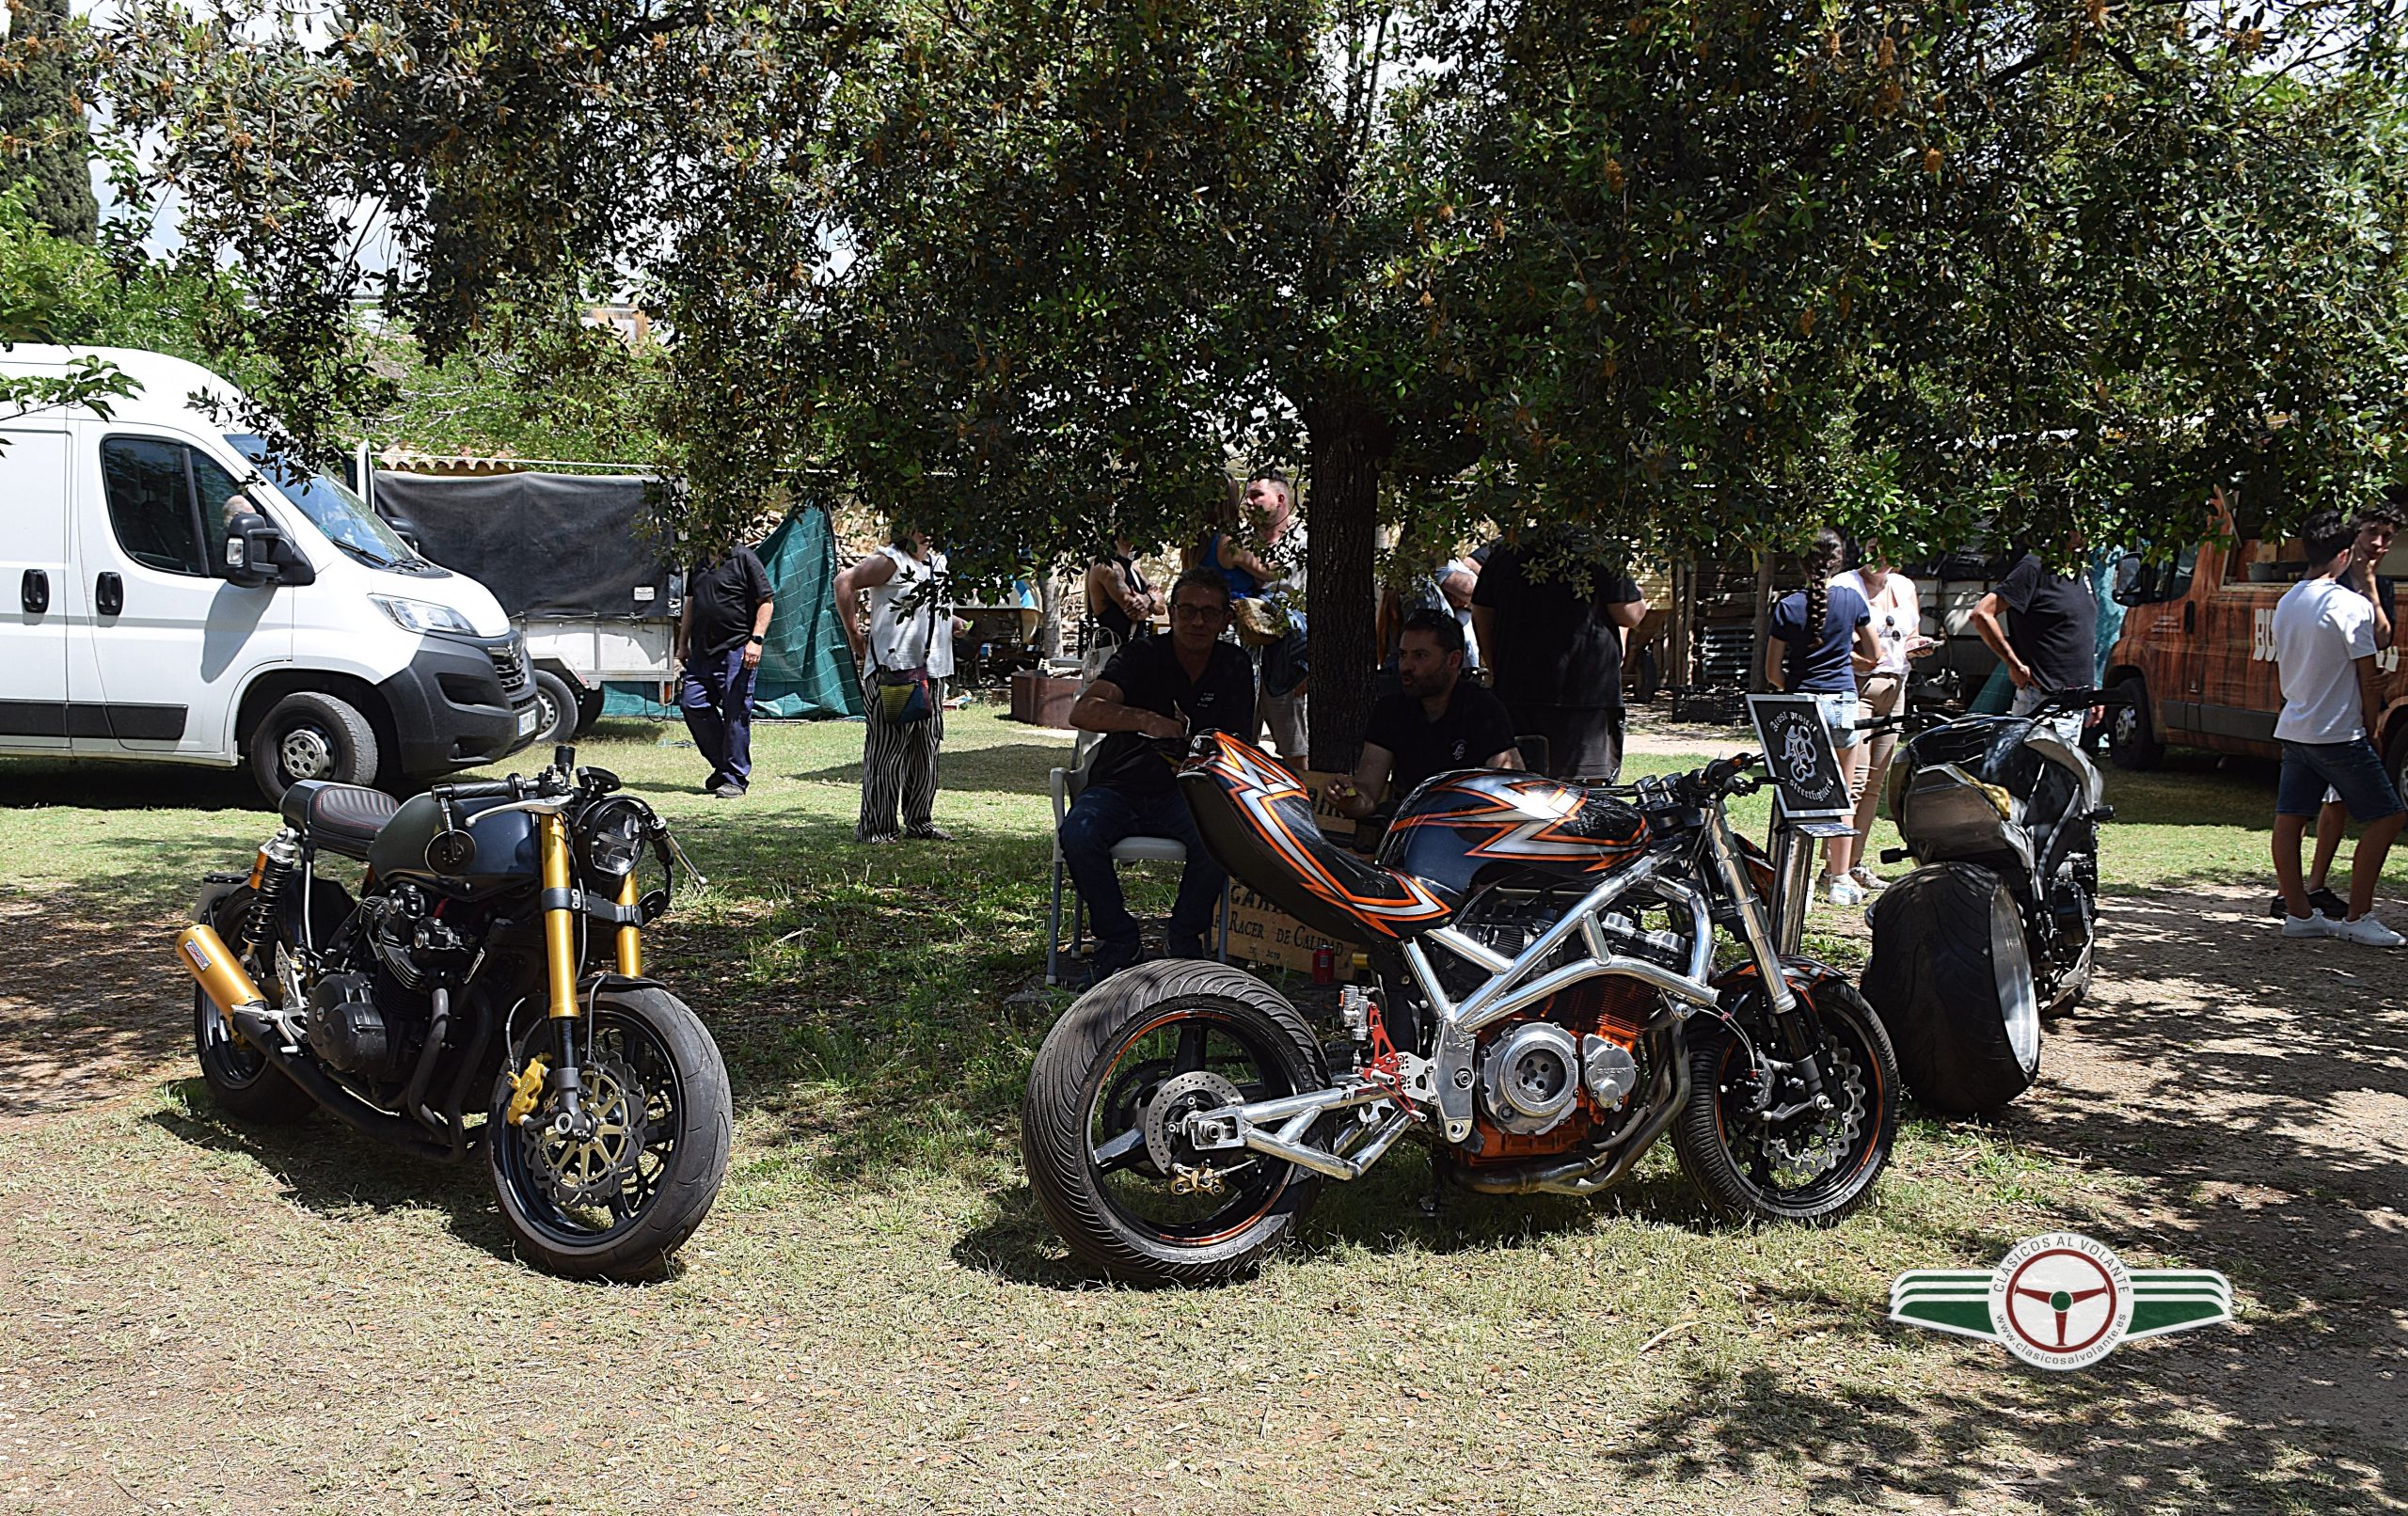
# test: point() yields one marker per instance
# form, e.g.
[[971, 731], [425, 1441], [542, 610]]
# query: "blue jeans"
[[1102, 816], [715, 694]]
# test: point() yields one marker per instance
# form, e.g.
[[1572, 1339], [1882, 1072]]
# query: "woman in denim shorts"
[[1818, 641]]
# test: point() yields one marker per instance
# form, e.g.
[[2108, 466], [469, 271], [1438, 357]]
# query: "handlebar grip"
[[483, 789]]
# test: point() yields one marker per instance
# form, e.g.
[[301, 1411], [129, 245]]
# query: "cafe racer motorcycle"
[[1544, 1006], [493, 958]]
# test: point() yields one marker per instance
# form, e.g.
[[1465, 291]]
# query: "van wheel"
[[309, 735], [556, 709], [2132, 740]]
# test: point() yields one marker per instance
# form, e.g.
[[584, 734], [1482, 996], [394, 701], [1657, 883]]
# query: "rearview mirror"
[[256, 553], [2134, 581]]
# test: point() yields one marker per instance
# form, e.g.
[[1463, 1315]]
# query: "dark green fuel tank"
[[507, 852]]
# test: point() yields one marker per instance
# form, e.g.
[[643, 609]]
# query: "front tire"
[[2132, 737], [310, 736], [1820, 1167], [1952, 977], [240, 1079], [1142, 1036], [556, 709], [617, 1204]]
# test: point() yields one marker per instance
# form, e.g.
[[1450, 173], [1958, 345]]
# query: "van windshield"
[[331, 506]]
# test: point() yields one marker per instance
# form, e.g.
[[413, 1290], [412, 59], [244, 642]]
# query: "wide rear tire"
[[1952, 979], [1079, 1075]]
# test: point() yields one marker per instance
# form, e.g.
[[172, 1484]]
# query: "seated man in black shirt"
[[1156, 690], [1439, 721]]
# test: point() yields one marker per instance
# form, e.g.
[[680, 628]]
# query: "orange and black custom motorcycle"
[[1544, 1008], [492, 961]]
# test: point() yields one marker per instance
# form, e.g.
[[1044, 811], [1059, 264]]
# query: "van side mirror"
[[251, 543], [406, 531], [256, 553], [2135, 583]]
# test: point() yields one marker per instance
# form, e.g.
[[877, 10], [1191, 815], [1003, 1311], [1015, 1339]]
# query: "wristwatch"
[[755, 640]]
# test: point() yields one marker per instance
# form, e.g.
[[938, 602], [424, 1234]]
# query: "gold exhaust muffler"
[[208, 959]]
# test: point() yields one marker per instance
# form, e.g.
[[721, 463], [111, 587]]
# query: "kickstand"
[[1431, 1202]]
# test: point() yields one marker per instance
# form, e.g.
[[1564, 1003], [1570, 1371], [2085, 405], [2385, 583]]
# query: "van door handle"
[[108, 595], [33, 591], [2190, 615]]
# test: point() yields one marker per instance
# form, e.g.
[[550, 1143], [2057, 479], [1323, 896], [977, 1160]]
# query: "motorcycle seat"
[[340, 818]]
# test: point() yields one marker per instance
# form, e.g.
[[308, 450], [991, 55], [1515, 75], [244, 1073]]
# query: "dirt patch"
[[79, 1006], [2255, 1086]]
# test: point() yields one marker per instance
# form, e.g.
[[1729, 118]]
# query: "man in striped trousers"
[[909, 640]]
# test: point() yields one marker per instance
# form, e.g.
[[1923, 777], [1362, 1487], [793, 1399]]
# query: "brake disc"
[[1827, 1141], [591, 1171], [1181, 1096]]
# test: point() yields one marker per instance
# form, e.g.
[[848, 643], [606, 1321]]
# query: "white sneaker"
[[2315, 923], [1845, 892], [2365, 930], [1866, 879]]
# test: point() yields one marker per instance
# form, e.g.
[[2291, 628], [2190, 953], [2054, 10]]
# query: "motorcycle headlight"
[[423, 616], [610, 838]]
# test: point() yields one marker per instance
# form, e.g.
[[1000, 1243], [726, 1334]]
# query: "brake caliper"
[[526, 1088]]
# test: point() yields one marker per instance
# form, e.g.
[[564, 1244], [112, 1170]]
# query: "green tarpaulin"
[[806, 671]]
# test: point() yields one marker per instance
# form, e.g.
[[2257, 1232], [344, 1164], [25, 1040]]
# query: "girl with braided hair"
[[1819, 639]]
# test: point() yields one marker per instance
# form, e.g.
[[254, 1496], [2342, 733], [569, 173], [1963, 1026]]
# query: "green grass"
[[877, 1316]]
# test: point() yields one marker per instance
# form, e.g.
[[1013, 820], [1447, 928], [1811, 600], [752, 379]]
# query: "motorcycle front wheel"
[[615, 1203], [1100, 1133], [1816, 1168]]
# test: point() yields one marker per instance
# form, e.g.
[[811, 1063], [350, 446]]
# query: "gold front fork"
[[559, 929], [630, 935]]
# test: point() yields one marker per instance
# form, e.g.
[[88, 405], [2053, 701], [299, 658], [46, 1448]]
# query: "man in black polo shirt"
[[1158, 690], [1437, 721], [2051, 645], [728, 606]]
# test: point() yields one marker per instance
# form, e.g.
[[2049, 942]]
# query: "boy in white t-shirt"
[[2325, 649]]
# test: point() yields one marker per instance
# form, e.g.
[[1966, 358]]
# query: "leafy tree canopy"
[[1683, 275]]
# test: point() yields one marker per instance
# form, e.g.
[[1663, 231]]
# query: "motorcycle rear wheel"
[[1951, 976], [641, 1046], [1097, 1082], [240, 1079], [1739, 1165]]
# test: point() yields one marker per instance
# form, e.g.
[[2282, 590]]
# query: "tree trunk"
[[1762, 619], [1349, 450]]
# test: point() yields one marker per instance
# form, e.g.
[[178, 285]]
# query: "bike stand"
[[1792, 872]]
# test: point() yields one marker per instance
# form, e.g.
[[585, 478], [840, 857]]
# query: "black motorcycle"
[[1547, 1007], [494, 954], [1995, 929]]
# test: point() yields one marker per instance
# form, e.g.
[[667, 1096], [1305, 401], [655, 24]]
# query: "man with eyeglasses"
[[1151, 699]]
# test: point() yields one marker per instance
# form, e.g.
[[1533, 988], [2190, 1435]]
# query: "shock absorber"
[[278, 857]]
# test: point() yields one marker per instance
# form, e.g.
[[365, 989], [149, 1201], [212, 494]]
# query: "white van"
[[171, 601]]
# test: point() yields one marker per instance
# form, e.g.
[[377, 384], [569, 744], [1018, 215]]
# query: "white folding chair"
[[1065, 783]]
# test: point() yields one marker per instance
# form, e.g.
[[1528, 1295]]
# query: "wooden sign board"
[[1262, 934]]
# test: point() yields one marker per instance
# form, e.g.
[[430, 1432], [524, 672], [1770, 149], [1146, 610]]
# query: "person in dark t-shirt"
[[719, 642], [2051, 643], [1555, 650], [1437, 721], [1156, 690]]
